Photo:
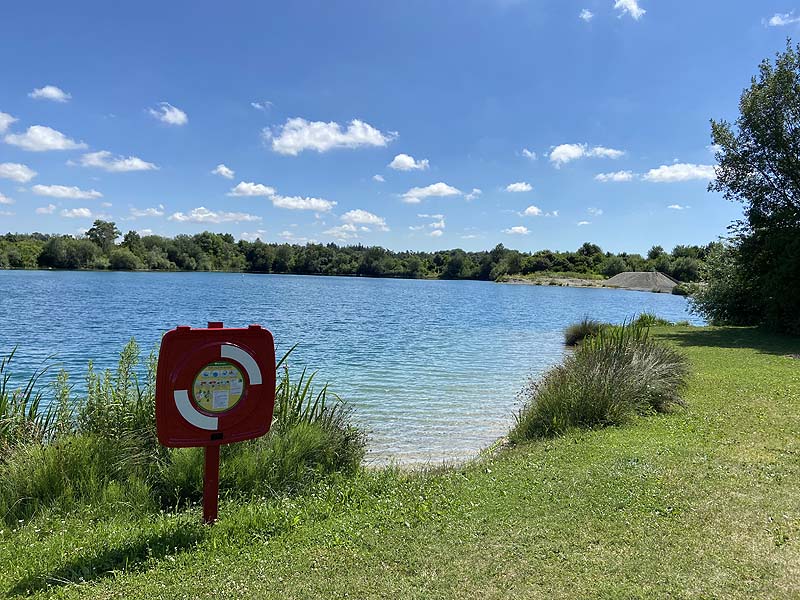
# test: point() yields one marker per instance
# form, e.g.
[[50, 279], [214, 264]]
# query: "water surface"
[[431, 368]]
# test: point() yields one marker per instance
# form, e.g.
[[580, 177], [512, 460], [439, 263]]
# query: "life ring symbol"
[[194, 416]]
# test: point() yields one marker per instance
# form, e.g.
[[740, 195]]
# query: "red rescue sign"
[[214, 386]]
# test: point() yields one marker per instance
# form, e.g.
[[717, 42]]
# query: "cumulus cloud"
[[262, 106], [50, 92], [517, 230], [677, 207], [473, 194], [223, 171], [148, 212], [582, 223], [5, 199], [77, 213], [16, 172], [348, 231], [378, 178], [248, 188], [115, 164], [595, 211], [532, 211], [630, 7], [680, 172], [529, 154], [417, 194], [204, 215], [5, 121], [301, 203], [298, 134], [39, 138], [617, 176], [253, 236], [63, 191], [46, 210], [586, 15], [171, 115], [520, 186], [564, 153], [362, 217], [405, 162], [779, 20], [436, 233]]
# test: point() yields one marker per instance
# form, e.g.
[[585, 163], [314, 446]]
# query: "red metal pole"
[[211, 485]]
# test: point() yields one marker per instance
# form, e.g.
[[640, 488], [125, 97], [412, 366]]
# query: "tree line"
[[207, 251]]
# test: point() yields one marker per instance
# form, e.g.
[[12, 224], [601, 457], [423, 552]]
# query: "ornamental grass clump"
[[612, 376], [577, 332]]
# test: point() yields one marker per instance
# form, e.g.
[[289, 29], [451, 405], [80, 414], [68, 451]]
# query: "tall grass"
[[614, 375], [577, 332], [102, 445]]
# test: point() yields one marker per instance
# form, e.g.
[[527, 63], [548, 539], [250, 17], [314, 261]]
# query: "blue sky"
[[415, 125]]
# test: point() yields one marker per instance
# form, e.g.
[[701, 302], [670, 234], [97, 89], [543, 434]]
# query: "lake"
[[431, 368]]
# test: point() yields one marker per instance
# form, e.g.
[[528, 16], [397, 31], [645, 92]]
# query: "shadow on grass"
[[128, 556], [757, 339]]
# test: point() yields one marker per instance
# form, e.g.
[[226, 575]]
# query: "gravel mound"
[[645, 281]]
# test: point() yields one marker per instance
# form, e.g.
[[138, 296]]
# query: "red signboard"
[[214, 386]]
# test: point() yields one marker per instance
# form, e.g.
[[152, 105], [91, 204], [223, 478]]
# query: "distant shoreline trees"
[[208, 251]]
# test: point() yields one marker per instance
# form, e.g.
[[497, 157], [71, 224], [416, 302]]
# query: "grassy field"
[[702, 503]]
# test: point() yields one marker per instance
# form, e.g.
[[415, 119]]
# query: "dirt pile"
[[645, 281]]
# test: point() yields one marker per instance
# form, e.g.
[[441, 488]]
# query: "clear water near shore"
[[431, 368]]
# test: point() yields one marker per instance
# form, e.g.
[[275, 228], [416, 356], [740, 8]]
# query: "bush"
[[650, 320], [122, 259], [611, 377], [578, 332]]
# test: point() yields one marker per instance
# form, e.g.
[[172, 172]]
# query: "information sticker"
[[218, 387]]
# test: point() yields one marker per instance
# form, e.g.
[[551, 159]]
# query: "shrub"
[[578, 332], [614, 375], [650, 320]]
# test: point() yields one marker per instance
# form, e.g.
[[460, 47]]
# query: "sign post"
[[214, 386]]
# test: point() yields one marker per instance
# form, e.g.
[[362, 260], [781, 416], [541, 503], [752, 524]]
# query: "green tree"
[[103, 234], [759, 165]]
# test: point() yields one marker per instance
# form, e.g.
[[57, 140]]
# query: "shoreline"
[[575, 282]]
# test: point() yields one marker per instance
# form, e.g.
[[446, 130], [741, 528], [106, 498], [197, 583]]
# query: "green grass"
[[703, 503], [554, 275], [577, 332]]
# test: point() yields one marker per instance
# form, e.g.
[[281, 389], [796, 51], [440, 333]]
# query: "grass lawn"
[[703, 503]]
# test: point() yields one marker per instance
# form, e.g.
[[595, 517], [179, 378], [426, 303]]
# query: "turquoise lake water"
[[431, 368]]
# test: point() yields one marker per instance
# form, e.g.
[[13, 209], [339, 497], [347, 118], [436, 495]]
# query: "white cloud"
[[473, 194], [253, 236], [223, 171], [520, 186], [582, 223], [362, 217], [248, 188], [5, 121], [677, 207], [517, 230], [63, 191], [77, 213], [171, 115], [148, 212], [417, 194], [301, 203], [297, 135], [680, 172], [5, 199], [405, 162], [203, 215], [617, 176], [50, 92], [630, 7], [378, 178], [263, 106], [16, 172], [7, 213], [427, 216], [532, 211], [436, 233], [347, 231], [530, 154], [779, 20], [46, 210], [564, 153], [115, 164], [586, 15], [39, 138], [714, 148], [595, 211]]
